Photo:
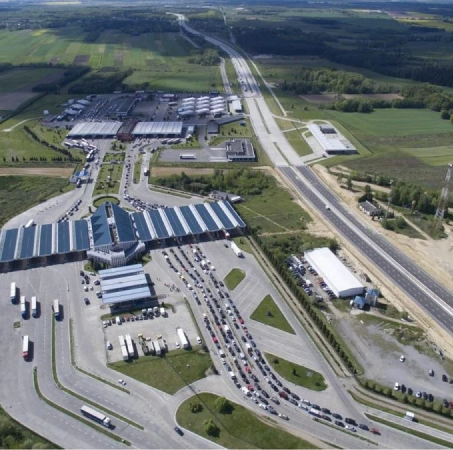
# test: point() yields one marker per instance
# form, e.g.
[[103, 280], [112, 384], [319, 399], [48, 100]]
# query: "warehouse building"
[[238, 150], [158, 129], [236, 106], [95, 130], [342, 282], [125, 287], [331, 140], [126, 107]]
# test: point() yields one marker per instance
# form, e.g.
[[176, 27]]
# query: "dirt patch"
[[60, 172], [329, 98], [81, 60], [118, 59], [10, 101]]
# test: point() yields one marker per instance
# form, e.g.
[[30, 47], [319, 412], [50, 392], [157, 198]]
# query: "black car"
[[87, 301], [326, 417], [267, 368], [243, 339], [337, 416], [179, 431], [362, 426], [339, 424], [265, 393], [350, 421], [325, 410], [294, 395], [410, 391], [286, 390], [254, 377], [444, 378]]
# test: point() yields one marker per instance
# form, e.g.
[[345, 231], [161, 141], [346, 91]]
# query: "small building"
[[125, 287], [238, 150], [213, 127], [369, 209], [157, 129], [331, 140], [372, 297], [236, 106], [359, 302], [342, 282]]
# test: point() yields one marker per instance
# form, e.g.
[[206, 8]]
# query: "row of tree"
[[239, 181], [205, 57], [102, 82], [70, 74]]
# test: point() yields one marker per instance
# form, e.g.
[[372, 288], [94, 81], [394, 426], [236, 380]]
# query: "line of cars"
[[70, 212]]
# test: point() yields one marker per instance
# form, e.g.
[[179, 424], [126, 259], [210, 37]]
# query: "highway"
[[428, 293]]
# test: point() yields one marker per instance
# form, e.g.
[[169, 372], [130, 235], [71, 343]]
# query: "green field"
[[269, 313], [17, 194], [104, 185], [300, 375], [265, 212], [21, 79], [168, 373], [239, 428], [234, 277], [157, 58], [298, 143]]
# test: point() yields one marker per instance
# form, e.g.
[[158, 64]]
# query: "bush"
[[223, 406], [211, 428]]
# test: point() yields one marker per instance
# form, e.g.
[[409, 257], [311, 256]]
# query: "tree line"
[[204, 57], [104, 81]]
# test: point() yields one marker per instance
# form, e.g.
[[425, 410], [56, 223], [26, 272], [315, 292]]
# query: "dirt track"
[[44, 171]]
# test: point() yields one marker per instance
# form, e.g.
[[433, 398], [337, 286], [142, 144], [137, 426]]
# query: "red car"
[[375, 431], [215, 339], [250, 387], [247, 369], [241, 320]]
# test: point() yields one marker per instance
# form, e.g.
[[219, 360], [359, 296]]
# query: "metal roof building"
[[331, 140], [114, 236], [124, 284], [95, 129], [342, 282], [158, 129]]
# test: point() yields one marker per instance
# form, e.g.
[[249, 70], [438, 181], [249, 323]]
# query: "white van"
[[118, 320]]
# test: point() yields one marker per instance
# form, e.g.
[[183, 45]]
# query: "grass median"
[[234, 278], [269, 313], [238, 428], [299, 375]]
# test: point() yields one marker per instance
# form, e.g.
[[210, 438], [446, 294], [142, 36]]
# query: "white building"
[[342, 282], [330, 139]]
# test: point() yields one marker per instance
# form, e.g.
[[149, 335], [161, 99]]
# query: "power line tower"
[[443, 200]]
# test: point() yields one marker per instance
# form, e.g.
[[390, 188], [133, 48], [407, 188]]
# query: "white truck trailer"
[[182, 337], [156, 348], [130, 346], [237, 251]]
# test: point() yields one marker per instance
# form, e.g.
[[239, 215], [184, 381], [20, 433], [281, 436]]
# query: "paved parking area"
[[165, 326]]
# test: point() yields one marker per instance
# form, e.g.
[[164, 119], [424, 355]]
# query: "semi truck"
[[123, 347], [237, 251], [13, 292], [23, 306], [182, 337], [96, 416], [25, 347], [34, 307], [130, 346], [156, 348]]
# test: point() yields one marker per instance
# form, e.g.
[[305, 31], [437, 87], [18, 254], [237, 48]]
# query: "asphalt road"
[[422, 288]]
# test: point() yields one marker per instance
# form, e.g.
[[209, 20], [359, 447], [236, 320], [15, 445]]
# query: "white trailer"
[[122, 341], [156, 348], [237, 251], [124, 352], [182, 337], [130, 346], [203, 111], [13, 292], [163, 312]]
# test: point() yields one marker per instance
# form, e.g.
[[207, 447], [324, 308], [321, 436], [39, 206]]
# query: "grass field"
[[265, 212], [17, 194], [104, 185], [300, 375], [158, 59], [98, 202], [24, 79], [169, 373], [298, 143], [232, 130], [240, 428], [269, 313], [234, 277]]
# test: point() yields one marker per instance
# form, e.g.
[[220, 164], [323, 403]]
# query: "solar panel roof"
[[100, 227], [82, 240], [45, 243], [222, 216], [124, 296], [123, 224], [158, 223], [142, 226], [95, 128], [28, 243], [9, 246], [133, 269], [191, 220], [207, 219], [233, 213], [158, 128], [175, 223], [64, 243]]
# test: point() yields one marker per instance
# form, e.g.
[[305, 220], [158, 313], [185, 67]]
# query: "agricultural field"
[[158, 59]]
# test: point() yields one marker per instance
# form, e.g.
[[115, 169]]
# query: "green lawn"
[[298, 142], [17, 194], [273, 211], [232, 130], [168, 373], [269, 313], [240, 428], [106, 186], [24, 79], [300, 375], [234, 278], [98, 202]]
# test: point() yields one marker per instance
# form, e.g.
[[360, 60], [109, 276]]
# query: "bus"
[[13, 293], [187, 156], [23, 306], [95, 415], [34, 306], [56, 309], [25, 346]]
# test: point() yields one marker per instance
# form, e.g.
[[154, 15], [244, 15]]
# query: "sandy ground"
[[44, 171]]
